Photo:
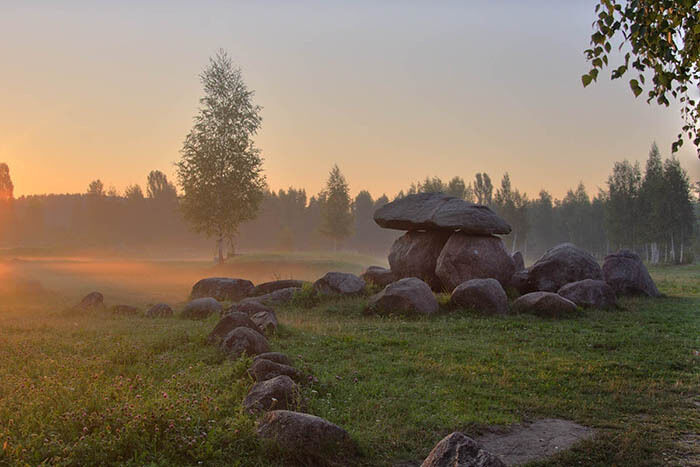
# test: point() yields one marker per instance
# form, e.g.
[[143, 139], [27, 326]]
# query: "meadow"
[[99, 389]]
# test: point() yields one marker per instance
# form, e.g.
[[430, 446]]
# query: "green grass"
[[99, 389]]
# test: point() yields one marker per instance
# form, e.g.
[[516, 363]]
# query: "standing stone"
[[201, 308], [279, 393], [589, 294], [545, 305], [406, 296], [223, 289], [483, 295], [625, 272], [467, 257], [415, 254], [437, 211], [379, 276], [459, 450], [244, 340], [339, 283], [307, 437], [559, 266]]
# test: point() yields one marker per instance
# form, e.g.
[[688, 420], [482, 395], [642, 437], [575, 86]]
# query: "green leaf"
[[636, 89], [586, 80]]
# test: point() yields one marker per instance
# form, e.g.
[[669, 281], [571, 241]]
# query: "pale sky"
[[391, 91]]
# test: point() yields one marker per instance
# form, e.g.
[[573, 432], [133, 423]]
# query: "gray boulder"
[[311, 439], [92, 301], [483, 295], [201, 308], [222, 288], [269, 287], [466, 257], [518, 261], [559, 266], [278, 393], [378, 275], [459, 450], [244, 340], [264, 369], [159, 310], [278, 297], [249, 307], [339, 283], [406, 296], [266, 321], [625, 272], [230, 322], [545, 305], [276, 357], [437, 211], [415, 254], [589, 293]]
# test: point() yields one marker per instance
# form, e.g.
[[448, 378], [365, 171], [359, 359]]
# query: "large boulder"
[[437, 211], [589, 293], [159, 310], [222, 288], [544, 305], [459, 450], [244, 340], [378, 275], [339, 283], [278, 297], [92, 301], [483, 295], [201, 308], [266, 321], [415, 254], [406, 296], [279, 393], [310, 439], [230, 322], [264, 369], [466, 257], [559, 266], [625, 272], [269, 287]]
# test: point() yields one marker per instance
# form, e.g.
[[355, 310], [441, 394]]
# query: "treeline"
[[652, 211]]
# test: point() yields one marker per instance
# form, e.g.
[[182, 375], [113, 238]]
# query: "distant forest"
[[654, 210]]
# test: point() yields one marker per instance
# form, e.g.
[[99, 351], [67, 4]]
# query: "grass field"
[[100, 389]]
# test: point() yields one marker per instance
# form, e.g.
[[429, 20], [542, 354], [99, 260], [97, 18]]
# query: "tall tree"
[[133, 193], [651, 199], [158, 186], [663, 40], [96, 188], [220, 171], [6, 186], [483, 189], [336, 215], [680, 218], [622, 209]]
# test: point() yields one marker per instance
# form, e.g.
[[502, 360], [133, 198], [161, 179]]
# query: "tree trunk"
[[681, 258], [673, 250], [220, 248]]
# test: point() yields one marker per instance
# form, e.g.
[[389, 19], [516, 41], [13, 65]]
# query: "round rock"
[[278, 393], [378, 275], [263, 369], [244, 340], [625, 272], [201, 308], [230, 322], [459, 450], [483, 295], [559, 266], [92, 301], [589, 293], [406, 296], [545, 305], [276, 357], [159, 310], [272, 286], [466, 257], [222, 288], [266, 321], [339, 283]]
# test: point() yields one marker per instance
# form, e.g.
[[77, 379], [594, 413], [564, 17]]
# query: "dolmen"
[[448, 241]]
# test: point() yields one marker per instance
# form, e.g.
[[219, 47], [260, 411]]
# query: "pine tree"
[[336, 214]]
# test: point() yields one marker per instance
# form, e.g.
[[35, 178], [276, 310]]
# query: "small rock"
[[159, 310], [278, 297], [269, 287], [625, 272], [92, 301], [459, 450], [589, 293], [222, 288], [230, 322], [378, 275], [278, 393], [483, 295], [310, 439], [244, 340], [201, 308], [248, 307], [266, 321], [276, 357], [545, 305], [263, 369], [339, 283], [406, 296]]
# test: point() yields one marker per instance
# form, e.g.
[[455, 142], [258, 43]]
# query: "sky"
[[391, 91]]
